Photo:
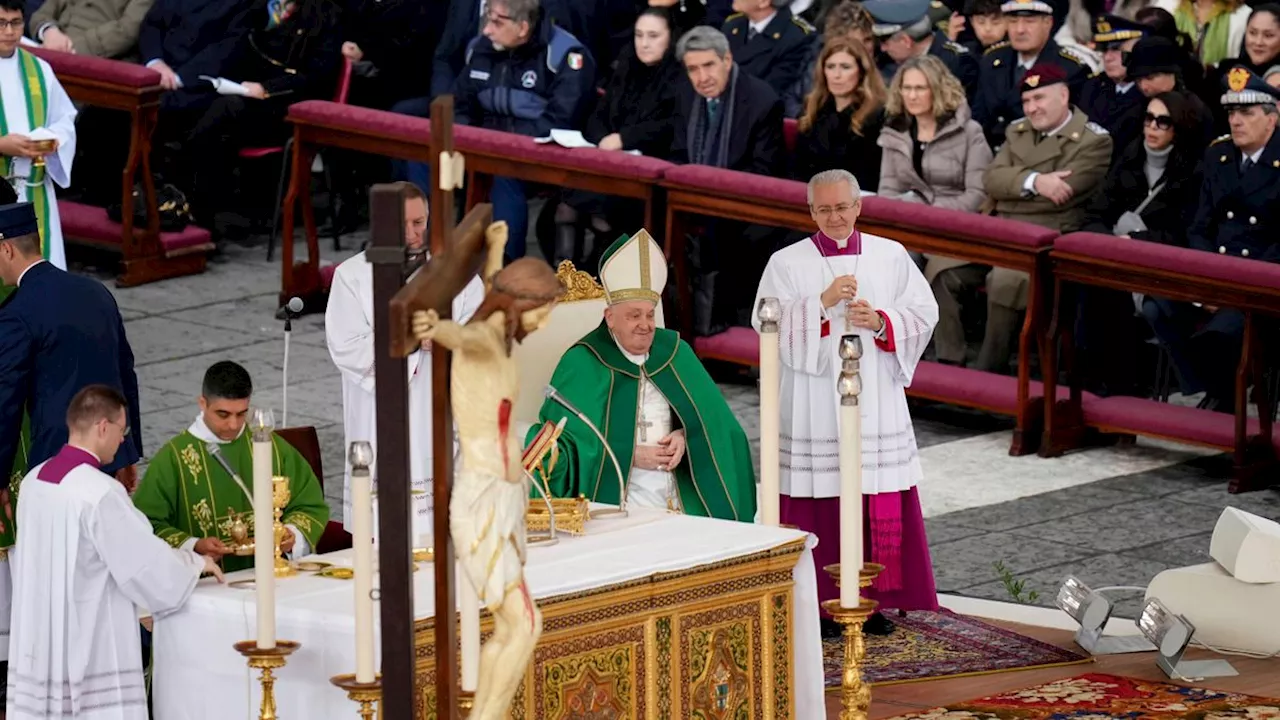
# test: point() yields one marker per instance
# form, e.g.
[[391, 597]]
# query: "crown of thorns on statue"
[[526, 284]]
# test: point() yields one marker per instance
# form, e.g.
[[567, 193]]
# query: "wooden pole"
[[442, 214], [395, 508]]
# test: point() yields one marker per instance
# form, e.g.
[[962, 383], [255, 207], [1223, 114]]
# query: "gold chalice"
[[44, 147]]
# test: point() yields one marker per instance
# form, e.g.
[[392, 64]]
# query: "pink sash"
[[884, 516]]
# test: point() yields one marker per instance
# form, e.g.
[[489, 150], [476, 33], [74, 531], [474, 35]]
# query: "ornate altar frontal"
[[710, 642]]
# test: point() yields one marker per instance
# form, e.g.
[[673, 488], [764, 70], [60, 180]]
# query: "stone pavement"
[[1114, 516]]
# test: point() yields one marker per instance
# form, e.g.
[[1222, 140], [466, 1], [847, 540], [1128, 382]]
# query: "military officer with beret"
[[1238, 214], [1109, 95], [1004, 65], [1050, 164], [905, 29], [767, 41]]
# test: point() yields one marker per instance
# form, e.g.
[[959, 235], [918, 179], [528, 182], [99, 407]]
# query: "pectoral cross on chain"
[[644, 427]]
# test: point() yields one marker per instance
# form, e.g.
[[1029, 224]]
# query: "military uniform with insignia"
[[1080, 146], [776, 54], [895, 16], [999, 99], [1238, 214], [1101, 98]]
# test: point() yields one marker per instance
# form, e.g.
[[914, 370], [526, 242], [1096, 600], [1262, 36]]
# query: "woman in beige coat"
[[932, 151]]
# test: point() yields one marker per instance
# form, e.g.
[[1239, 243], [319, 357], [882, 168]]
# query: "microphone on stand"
[[553, 394], [292, 309]]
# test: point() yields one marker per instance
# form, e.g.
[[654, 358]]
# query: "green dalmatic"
[[186, 492]]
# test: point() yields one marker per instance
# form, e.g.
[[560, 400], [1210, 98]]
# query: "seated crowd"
[[1152, 121]]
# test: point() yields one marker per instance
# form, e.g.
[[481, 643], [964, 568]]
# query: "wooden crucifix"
[[457, 254]]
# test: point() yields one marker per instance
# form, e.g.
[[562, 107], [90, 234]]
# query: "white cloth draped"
[[810, 446], [193, 647], [348, 323], [84, 562], [62, 123]]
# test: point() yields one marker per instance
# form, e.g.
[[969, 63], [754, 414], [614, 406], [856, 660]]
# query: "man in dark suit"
[[725, 117], [768, 41], [1003, 66], [729, 119], [58, 333], [1109, 95]]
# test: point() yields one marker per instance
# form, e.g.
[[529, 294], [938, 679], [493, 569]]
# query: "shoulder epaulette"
[[1095, 75], [802, 24], [1223, 138], [997, 46], [734, 16], [1096, 128], [1071, 55], [1018, 125], [955, 47]]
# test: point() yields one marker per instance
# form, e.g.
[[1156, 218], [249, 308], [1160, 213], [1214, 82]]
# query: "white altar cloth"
[[198, 676]]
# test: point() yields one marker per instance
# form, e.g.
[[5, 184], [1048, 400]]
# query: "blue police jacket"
[[546, 83]]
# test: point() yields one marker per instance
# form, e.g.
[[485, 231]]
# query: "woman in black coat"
[[634, 114], [1150, 193], [842, 116]]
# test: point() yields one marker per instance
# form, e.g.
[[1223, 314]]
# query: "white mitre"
[[634, 268]]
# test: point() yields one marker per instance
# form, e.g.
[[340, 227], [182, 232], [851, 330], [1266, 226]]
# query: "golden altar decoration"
[[709, 642]]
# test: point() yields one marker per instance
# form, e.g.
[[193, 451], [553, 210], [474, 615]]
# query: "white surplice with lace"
[[810, 404]]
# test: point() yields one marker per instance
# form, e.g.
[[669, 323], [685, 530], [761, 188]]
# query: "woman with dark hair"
[[842, 115], [633, 114], [1150, 193], [1258, 52]]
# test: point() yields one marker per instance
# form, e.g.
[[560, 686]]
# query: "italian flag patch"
[[575, 60]]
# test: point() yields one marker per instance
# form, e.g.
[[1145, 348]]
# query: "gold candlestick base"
[[466, 701], [367, 695], [855, 694], [267, 661]]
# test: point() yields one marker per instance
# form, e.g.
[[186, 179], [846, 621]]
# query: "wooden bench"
[[318, 123], [1251, 286], [695, 190], [147, 254]]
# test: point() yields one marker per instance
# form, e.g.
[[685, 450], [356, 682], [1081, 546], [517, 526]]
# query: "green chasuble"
[[716, 477], [13, 476], [186, 493]]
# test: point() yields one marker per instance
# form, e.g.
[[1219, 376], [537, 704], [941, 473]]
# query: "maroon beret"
[[1041, 75]]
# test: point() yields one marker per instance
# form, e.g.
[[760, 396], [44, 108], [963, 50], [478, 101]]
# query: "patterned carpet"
[[928, 645], [1096, 696]]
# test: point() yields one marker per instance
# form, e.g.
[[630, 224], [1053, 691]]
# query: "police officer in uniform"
[[1238, 214], [907, 29], [528, 76], [1109, 95], [768, 42], [1005, 64]]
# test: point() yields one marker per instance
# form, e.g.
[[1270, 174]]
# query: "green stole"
[[33, 87], [716, 478], [21, 460], [186, 492]]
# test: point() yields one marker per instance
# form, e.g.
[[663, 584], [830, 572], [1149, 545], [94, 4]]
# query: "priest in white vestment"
[[348, 327], [836, 282], [34, 107], [84, 563]]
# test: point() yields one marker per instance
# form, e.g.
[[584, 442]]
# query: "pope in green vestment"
[[610, 376], [188, 495]]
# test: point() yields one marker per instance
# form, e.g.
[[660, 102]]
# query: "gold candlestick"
[[280, 498], [267, 661], [855, 694], [367, 695], [466, 701]]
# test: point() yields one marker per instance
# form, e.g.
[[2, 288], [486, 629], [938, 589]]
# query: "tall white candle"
[[769, 313], [362, 545], [850, 386], [262, 424], [469, 609]]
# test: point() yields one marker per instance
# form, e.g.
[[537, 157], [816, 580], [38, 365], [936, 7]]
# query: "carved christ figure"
[[490, 492]]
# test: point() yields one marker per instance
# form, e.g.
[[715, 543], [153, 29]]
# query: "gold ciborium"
[[280, 498], [241, 543]]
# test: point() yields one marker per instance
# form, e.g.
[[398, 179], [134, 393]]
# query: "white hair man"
[[869, 287]]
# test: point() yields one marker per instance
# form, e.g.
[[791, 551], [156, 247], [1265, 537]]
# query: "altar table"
[[650, 616]]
